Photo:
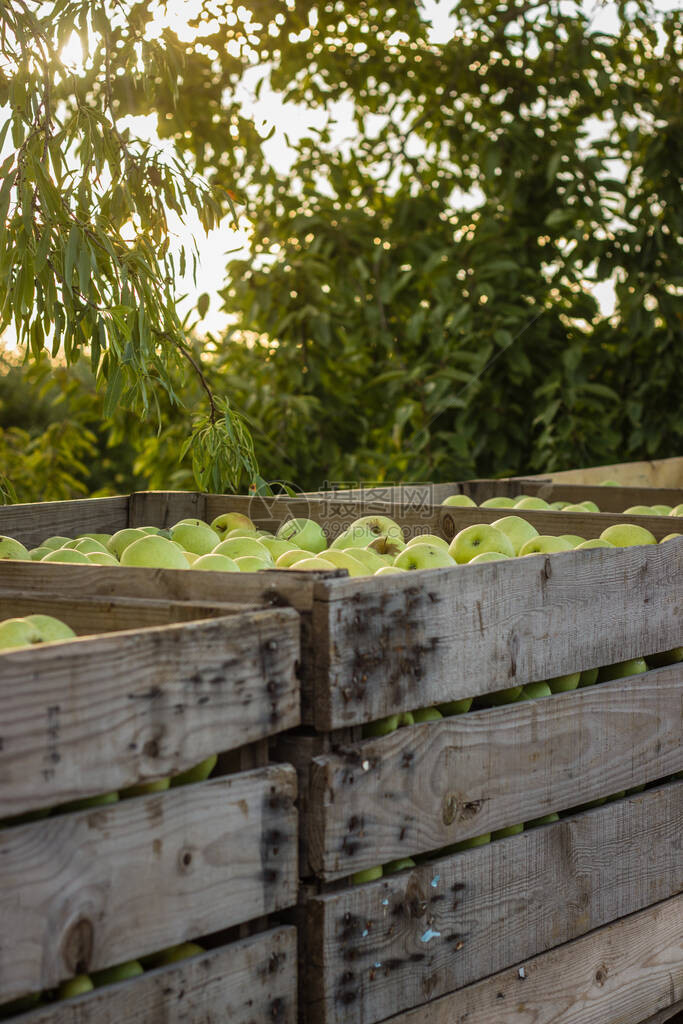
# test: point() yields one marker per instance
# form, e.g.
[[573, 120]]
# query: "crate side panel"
[[33, 523]]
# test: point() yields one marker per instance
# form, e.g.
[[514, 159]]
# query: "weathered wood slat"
[[377, 949], [430, 785], [614, 975], [83, 891], [32, 523], [400, 642], [248, 981], [651, 473], [585, 524], [667, 1015], [95, 714]]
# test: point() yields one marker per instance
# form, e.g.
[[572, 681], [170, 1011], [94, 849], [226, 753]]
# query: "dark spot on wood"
[[416, 957], [457, 887], [439, 896], [513, 648], [270, 874], [601, 974], [157, 846], [271, 645], [394, 963], [179, 709], [272, 686], [216, 680], [402, 833], [477, 605], [151, 749], [500, 995], [77, 946], [453, 937], [274, 962], [203, 700], [407, 758], [277, 1009]]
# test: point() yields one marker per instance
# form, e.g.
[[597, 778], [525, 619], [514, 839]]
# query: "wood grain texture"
[[585, 524], [33, 523], [82, 891], [247, 982], [674, 1014], [652, 473], [400, 642], [430, 785], [387, 946], [614, 975], [92, 715]]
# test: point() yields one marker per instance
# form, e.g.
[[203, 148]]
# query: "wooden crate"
[[148, 690], [652, 473]]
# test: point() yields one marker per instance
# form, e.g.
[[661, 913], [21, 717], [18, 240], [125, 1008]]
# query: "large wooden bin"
[[147, 690]]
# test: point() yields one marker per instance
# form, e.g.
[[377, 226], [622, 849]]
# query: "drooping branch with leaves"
[[86, 257]]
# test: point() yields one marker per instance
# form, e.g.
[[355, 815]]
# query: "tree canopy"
[[418, 299]]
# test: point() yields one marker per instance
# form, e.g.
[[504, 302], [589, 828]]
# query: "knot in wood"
[[449, 809], [78, 945]]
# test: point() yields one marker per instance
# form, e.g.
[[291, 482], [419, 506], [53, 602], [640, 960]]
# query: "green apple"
[[67, 555], [154, 553], [511, 830], [670, 536], [18, 633], [405, 719], [530, 503], [228, 521], [354, 537], [544, 545], [573, 539], [241, 547], [89, 546], [662, 510], [250, 563], [532, 691], [381, 726], [507, 696], [395, 866], [198, 773], [12, 549], [198, 538], [242, 532], [546, 819], [379, 526], [50, 628], [627, 535], [576, 507], [677, 511], [456, 707], [277, 547], [469, 844], [474, 540], [489, 556], [75, 987], [428, 538], [345, 560], [118, 543], [638, 510], [313, 564], [102, 558], [630, 667], [589, 506], [609, 483], [562, 684], [35, 554], [369, 875], [459, 501], [156, 530], [423, 556], [387, 570], [517, 530], [291, 558], [557, 506], [143, 788], [672, 657], [589, 677], [110, 975], [304, 533], [176, 953], [54, 542], [215, 563], [367, 557], [426, 715], [102, 800], [390, 546], [101, 538], [498, 503], [594, 542]]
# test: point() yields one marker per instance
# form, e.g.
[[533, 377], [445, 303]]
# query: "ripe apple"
[[381, 726], [628, 535], [345, 560], [89, 546], [428, 538], [672, 657], [291, 558], [423, 556], [594, 542], [227, 521], [562, 684], [18, 633], [387, 570], [630, 667], [426, 715], [662, 510], [670, 536], [367, 557], [277, 547], [50, 628], [67, 555], [54, 542], [532, 691], [395, 866], [304, 533], [369, 875], [154, 553], [197, 773], [75, 987], [314, 564], [530, 503], [198, 538], [638, 510], [589, 677], [102, 558], [143, 788], [609, 483], [474, 540], [390, 546], [677, 510], [354, 537], [507, 696], [456, 707], [517, 530], [121, 972], [379, 526], [35, 554], [405, 718], [544, 545], [173, 954], [546, 819], [240, 547], [572, 538], [251, 563], [118, 543], [12, 549], [511, 830], [589, 506], [215, 563], [489, 556], [468, 844], [459, 501], [498, 503]]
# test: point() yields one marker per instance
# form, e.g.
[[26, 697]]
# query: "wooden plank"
[[32, 523], [667, 1015], [247, 981], [652, 473], [430, 785], [608, 499], [96, 714], [377, 949], [614, 975], [165, 508], [82, 891], [406, 641], [585, 524]]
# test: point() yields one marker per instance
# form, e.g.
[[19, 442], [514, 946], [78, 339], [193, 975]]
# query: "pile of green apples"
[[83, 983], [526, 501], [33, 629]]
